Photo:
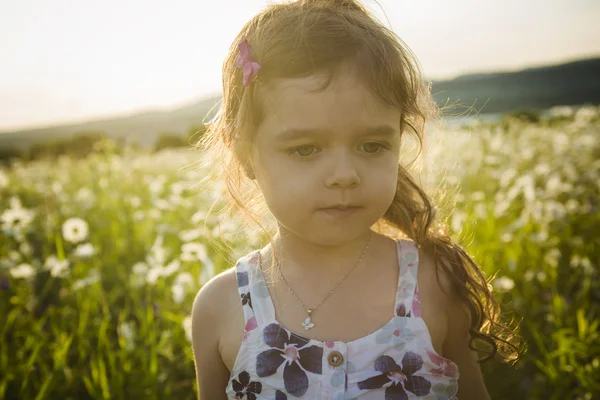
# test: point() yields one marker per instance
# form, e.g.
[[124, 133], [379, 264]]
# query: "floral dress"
[[395, 362]]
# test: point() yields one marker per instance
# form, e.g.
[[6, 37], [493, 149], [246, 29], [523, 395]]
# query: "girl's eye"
[[310, 150], [373, 146], [302, 151]]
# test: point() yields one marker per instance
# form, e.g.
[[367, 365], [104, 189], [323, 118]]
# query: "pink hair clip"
[[245, 62]]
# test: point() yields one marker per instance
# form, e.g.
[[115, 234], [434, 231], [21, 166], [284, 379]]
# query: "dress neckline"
[[322, 343]]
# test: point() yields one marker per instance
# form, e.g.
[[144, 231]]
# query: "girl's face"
[[316, 150]]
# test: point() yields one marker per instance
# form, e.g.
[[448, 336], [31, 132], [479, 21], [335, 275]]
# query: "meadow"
[[101, 257]]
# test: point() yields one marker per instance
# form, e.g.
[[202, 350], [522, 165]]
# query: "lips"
[[341, 211], [341, 207]]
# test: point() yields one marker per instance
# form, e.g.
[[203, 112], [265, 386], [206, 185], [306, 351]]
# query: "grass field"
[[100, 259]]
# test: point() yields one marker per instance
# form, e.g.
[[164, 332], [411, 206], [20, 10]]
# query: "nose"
[[343, 172]]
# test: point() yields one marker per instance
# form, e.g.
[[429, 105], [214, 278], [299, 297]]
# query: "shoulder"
[[215, 297], [437, 279]]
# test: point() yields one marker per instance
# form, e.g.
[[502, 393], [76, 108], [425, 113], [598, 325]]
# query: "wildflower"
[[140, 268], [163, 205], [178, 293], [478, 196], [85, 196], [85, 250], [193, 251], [190, 235], [25, 248], [187, 327], [127, 335], [153, 274], [22, 271], [57, 268], [179, 289], [15, 220], [171, 268], [75, 230], [504, 284], [92, 278], [135, 201], [3, 180]]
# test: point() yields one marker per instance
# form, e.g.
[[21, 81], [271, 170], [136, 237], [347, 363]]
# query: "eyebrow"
[[291, 134]]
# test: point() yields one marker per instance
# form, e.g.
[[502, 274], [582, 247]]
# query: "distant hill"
[[538, 88]]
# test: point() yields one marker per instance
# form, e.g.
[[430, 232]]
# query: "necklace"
[[308, 323]]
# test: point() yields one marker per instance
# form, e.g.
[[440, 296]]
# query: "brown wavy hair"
[[305, 37]]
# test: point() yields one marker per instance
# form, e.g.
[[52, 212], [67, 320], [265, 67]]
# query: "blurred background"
[[106, 237]]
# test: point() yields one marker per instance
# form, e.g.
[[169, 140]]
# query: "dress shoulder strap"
[[408, 303], [253, 291]]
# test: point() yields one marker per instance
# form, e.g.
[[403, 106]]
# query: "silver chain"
[[310, 310]]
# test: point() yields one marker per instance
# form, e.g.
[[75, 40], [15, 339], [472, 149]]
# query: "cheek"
[[380, 188], [283, 185]]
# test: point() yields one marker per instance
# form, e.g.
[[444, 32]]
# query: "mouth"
[[341, 210]]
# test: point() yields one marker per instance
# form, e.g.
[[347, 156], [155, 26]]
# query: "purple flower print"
[[246, 299], [242, 279], [401, 378], [243, 386], [401, 311], [289, 349], [279, 395]]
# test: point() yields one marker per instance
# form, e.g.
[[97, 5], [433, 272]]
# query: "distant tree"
[[7, 154], [525, 115], [169, 140], [80, 146]]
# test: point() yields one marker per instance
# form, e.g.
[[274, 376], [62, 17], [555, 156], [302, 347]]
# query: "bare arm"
[[471, 385], [211, 373]]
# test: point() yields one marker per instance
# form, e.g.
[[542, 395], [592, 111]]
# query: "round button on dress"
[[335, 359]]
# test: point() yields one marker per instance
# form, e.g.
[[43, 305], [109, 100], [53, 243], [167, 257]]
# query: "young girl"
[[357, 295]]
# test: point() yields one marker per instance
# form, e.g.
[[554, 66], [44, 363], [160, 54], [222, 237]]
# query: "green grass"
[[112, 321]]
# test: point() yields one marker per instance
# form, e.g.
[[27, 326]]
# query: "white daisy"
[[178, 292], [22, 271], [135, 201], [57, 268], [140, 268], [25, 248], [187, 327], [193, 251], [75, 230], [171, 268], [182, 283], [184, 278], [153, 274], [93, 277], [85, 250], [192, 234], [15, 220], [504, 284], [127, 334], [3, 180]]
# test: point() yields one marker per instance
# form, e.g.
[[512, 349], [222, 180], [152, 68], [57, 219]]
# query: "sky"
[[72, 60]]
